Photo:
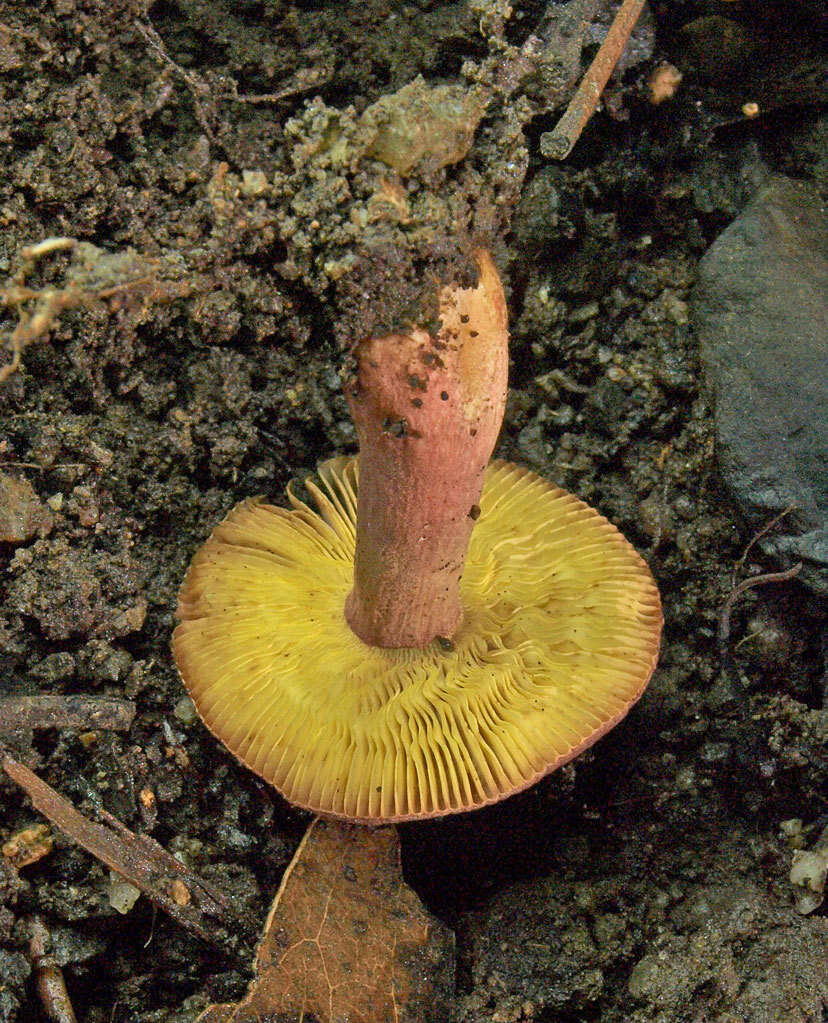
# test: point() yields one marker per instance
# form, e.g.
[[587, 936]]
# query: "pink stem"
[[427, 412]]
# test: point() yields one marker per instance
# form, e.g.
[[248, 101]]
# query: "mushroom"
[[429, 632]]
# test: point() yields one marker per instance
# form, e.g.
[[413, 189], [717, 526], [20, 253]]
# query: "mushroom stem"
[[427, 412]]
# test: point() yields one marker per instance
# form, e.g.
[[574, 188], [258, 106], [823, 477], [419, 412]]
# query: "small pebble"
[[185, 711], [121, 894]]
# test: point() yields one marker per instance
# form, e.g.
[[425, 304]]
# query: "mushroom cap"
[[560, 636]]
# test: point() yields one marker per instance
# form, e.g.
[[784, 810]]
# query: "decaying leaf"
[[347, 939]]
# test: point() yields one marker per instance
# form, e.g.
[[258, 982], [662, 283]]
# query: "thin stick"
[[199, 90], [49, 982], [740, 564], [557, 144], [141, 861], [743, 587], [21, 715]]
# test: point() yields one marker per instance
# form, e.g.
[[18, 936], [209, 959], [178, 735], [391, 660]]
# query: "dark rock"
[[761, 312]]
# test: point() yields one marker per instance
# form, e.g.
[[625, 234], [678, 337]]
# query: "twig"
[[38, 310], [51, 303], [204, 98], [44, 468], [32, 253], [48, 976], [738, 588], [140, 860], [743, 587], [557, 144], [740, 564], [302, 81], [199, 90], [21, 715]]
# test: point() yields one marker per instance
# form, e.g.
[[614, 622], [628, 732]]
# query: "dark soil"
[[238, 233]]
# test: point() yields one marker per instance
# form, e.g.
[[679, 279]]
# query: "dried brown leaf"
[[347, 939]]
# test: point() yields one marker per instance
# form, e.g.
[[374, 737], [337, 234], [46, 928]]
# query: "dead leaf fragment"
[[347, 939]]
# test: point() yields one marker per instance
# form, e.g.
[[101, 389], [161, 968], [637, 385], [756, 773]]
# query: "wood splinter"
[[558, 143], [48, 976], [22, 715], [140, 860]]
